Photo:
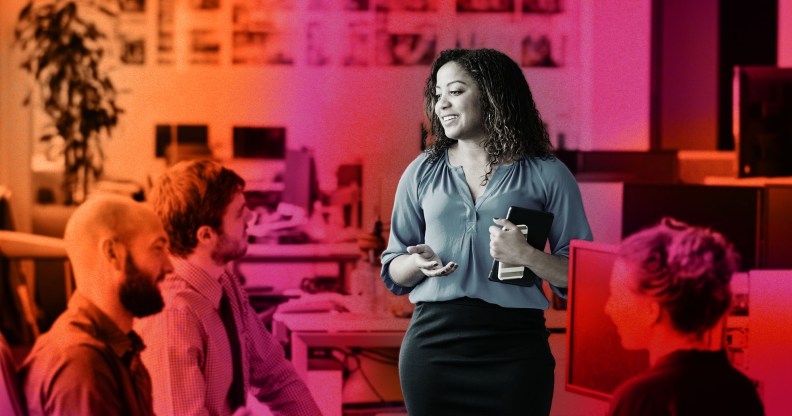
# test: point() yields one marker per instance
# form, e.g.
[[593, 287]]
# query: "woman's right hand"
[[428, 262]]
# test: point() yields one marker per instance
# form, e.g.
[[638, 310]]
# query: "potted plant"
[[64, 50]]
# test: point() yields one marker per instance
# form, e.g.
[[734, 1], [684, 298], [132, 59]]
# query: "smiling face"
[[146, 265], [632, 313], [458, 103]]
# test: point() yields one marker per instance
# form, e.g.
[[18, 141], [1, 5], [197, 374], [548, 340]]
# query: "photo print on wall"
[[485, 6], [263, 34], [406, 5], [204, 47], [316, 49], [542, 50], [542, 6], [133, 50], [131, 32], [405, 44], [358, 43]]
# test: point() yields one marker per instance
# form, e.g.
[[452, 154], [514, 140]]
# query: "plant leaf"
[[25, 13]]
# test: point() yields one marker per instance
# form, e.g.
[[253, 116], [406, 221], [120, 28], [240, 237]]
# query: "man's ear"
[[111, 250], [205, 235]]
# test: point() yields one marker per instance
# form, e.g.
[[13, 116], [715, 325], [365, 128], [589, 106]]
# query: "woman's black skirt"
[[470, 357]]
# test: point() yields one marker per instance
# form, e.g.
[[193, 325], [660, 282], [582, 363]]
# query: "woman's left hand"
[[507, 243]]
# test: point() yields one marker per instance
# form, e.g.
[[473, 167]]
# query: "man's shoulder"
[[179, 294], [71, 333], [77, 355], [184, 307]]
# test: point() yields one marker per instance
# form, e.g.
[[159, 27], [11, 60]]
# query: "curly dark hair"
[[512, 123], [686, 269]]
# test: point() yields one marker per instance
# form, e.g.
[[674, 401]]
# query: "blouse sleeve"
[[566, 203], [407, 225]]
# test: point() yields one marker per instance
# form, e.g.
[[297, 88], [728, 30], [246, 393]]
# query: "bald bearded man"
[[88, 363]]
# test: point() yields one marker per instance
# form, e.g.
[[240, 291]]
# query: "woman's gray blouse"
[[433, 205]]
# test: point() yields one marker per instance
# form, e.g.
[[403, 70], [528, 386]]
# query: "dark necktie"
[[236, 395]]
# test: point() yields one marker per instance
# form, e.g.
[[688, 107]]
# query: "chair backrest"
[[11, 399]]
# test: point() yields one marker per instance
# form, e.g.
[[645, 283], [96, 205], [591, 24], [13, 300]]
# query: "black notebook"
[[538, 228]]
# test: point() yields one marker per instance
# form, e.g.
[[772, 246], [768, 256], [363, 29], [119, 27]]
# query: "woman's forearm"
[[551, 268], [404, 272]]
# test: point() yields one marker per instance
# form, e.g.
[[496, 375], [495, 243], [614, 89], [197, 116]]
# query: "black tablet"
[[537, 225]]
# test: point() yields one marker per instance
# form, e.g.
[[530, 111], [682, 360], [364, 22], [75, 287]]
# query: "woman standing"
[[475, 346]]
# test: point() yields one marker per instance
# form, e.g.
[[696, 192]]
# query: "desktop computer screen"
[[734, 211], [762, 120], [252, 142]]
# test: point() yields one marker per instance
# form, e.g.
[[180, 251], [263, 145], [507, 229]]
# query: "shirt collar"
[[201, 280], [104, 329]]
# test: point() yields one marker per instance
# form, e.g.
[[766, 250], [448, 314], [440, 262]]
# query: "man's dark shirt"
[[688, 383], [85, 365]]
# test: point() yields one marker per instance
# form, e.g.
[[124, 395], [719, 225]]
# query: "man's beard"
[[139, 294], [228, 250]]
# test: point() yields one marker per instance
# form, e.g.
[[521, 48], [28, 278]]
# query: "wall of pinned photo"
[[346, 33], [265, 33], [131, 32]]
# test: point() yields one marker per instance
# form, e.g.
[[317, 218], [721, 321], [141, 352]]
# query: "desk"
[[344, 254], [334, 329]]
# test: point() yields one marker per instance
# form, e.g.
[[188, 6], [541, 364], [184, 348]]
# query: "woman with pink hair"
[[669, 289]]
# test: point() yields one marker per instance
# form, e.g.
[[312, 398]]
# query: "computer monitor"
[[191, 140], [251, 142], [734, 211], [596, 361], [762, 120], [301, 183]]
